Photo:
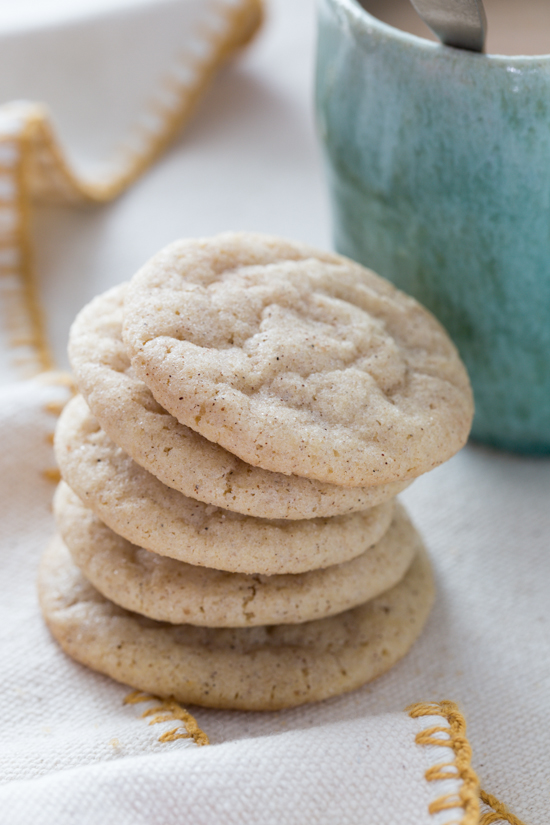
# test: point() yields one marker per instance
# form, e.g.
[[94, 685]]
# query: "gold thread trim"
[[165, 711], [56, 379], [23, 317], [38, 339], [500, 812], [470, 793], [54, 407], [468, 796], [33, 164], [59, 378]]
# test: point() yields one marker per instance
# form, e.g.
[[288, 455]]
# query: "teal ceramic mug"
[[438, 163]]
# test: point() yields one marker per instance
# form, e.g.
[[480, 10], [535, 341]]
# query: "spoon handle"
[[458, 23]]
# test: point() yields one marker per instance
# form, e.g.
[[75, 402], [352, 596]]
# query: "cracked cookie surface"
[[297, 361], [142, 509], [252, 668], [176, 454], [172, 591]]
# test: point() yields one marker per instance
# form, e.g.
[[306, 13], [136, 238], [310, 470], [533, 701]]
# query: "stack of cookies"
[[228, 532]]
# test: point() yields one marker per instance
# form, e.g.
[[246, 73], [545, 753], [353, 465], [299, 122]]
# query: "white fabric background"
[[249, 160]]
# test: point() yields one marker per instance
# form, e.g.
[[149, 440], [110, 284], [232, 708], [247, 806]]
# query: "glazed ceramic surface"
[[439, 168]]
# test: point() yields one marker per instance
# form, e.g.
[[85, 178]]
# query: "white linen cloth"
[[70, 750]]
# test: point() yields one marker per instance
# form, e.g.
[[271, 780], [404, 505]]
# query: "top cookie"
[[178, 456], [297, 361]]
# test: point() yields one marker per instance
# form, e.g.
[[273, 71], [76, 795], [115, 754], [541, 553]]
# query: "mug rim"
[[366, 20]]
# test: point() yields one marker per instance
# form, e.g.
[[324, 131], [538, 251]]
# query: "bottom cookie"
[[255, 668]]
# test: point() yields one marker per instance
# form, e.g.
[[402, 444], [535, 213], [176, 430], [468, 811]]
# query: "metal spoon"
[[458, 23]]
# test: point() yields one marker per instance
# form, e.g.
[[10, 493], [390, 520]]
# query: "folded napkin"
[[110, 85]]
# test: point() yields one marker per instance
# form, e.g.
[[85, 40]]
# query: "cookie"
[[250, 668], [142, 509], [177, 455], [297, 361], [172, 591]]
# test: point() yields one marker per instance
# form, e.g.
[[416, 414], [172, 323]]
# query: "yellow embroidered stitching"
[[22, 313], [63, 379], [470, 792], [468, 797], [59, 378], [52, 474], [33, 164], [500, 812], [54, 407], [167, 710]]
